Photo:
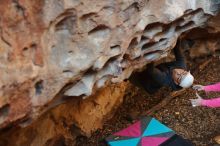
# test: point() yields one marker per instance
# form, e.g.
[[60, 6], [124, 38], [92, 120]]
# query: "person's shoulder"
[[176, 87]]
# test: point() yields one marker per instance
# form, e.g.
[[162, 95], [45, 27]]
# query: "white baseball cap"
[[187, 80]]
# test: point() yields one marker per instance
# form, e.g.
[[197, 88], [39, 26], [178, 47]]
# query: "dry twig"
[[164, 102]]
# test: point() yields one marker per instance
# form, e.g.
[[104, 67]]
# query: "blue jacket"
[[153, 78]]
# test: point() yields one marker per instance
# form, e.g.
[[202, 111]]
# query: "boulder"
[[56, 50]]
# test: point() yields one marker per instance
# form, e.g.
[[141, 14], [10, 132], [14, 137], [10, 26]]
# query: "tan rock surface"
[[63, 123]]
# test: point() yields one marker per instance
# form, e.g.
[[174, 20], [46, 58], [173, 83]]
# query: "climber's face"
[[178, 75]]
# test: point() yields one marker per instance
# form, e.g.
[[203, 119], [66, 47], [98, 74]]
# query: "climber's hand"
[[198, 87], [196, 102]]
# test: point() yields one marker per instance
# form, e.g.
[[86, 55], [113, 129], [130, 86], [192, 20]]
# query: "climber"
[[208, 102], [172, 74]]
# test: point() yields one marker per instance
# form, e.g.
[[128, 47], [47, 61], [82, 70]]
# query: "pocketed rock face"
[[57, 47], [205, 41]]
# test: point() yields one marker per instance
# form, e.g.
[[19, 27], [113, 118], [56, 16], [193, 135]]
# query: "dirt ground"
[[198, 124]]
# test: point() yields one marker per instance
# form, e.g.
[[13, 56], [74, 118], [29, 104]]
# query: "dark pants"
[[146, 80]]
